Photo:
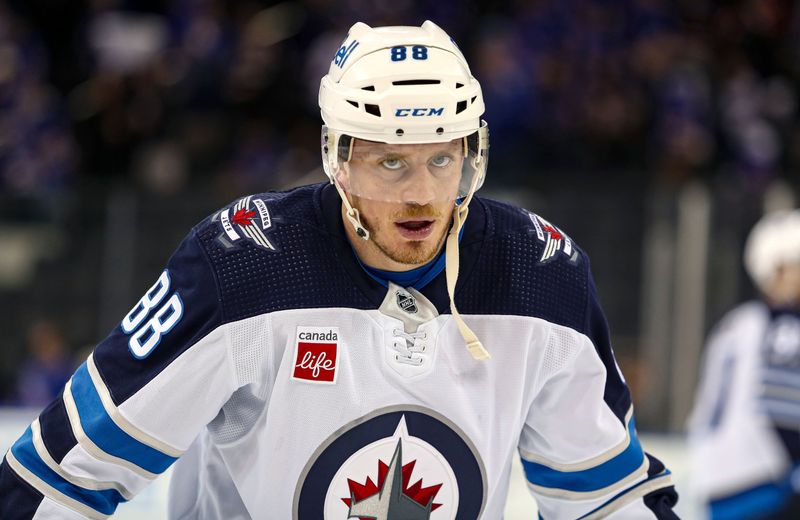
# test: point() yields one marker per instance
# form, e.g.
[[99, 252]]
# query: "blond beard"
[[410, 253]]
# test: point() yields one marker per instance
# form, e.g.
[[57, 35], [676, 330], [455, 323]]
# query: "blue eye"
[[441, 161], [392, 163]]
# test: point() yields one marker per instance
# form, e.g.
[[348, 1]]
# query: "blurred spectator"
[[48, 366], [37, 154], [675, 88]]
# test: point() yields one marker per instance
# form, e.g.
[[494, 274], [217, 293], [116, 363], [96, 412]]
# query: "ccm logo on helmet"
[[419, 112]]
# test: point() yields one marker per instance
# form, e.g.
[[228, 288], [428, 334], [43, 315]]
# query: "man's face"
[[785, 287], [405, 195]]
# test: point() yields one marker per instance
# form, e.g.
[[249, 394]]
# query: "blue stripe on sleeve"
[[592, 479], [104, 501], [105, 433], [755, 502]]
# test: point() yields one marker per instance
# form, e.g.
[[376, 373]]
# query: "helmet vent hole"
[[399, 132], [354, 103], [459, 85], [370, 88], [375, 110], [471, 101], [439, 131], [461, 106], [408, 82]]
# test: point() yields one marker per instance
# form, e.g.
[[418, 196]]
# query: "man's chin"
[[413, 258], [414, 253]]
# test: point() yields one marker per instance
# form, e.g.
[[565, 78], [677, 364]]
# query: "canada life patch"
[[316, 355]]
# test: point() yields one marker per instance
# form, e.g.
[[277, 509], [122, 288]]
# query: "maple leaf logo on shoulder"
[[554, 240], [242, 222], [554, 233], [392, 497], [243, 217]]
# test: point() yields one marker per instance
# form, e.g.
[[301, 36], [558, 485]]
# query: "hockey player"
[[305, 350], [745, 427]]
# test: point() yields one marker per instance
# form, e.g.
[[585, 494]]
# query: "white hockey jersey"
[[749, 392], [297, 387]]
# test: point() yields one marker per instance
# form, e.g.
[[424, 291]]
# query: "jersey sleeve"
[[780, 380], [133, 407], [579, 447]]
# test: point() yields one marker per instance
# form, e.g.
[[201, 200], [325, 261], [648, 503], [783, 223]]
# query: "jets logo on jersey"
[[554, 240], [316, 354], [248, 219], [392, 492], [406, 302], [398, 462]]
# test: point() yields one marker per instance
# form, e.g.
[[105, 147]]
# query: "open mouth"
[[415, 229]]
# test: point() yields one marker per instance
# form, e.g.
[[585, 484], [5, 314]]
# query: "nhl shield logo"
[[406, 302]]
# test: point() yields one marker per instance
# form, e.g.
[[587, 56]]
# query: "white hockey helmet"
[[773, 242], [402, 85]]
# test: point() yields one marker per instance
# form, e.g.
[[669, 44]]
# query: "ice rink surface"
[[151, 503]]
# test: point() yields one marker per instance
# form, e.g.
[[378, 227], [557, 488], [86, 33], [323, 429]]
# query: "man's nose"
[[420, 187]]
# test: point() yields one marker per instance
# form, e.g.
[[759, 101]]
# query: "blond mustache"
[[414, 211]]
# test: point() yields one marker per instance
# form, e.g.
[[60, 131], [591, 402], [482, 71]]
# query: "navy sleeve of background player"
[[780, 378], [579, 446], [132, 407]]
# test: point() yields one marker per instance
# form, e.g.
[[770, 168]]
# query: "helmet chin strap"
[[352, 213], [460, 213]]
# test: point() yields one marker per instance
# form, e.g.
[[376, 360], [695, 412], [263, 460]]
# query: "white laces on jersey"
[[407, 344]]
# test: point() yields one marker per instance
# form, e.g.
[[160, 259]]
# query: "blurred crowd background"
[[652, 131]]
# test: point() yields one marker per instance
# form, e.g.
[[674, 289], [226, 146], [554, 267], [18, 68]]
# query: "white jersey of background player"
[[304, 351], [745, 428]]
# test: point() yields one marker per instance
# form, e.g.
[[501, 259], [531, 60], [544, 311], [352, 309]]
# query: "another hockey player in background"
[[304, 352], [744, 432]]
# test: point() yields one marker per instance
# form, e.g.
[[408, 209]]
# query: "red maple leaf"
[[553, 232], [421, 495], [243, 217]]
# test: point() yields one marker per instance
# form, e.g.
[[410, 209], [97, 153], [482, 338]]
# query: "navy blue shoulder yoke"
[[288, 250]]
